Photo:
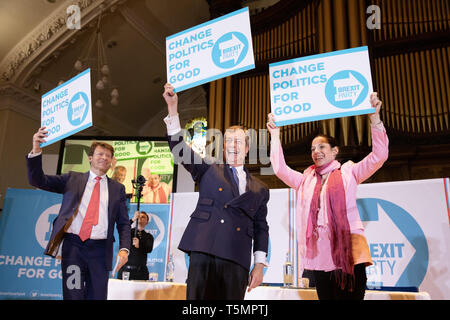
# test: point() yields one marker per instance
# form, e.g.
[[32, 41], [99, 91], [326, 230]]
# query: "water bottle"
[[288, 272], [170, 269]]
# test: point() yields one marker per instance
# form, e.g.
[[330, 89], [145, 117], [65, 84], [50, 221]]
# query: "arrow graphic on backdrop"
[[374, 210], [348, 89], [231, 49], [390, 256]]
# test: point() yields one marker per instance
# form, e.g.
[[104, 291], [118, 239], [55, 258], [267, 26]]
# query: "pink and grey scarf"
[[341, 242]]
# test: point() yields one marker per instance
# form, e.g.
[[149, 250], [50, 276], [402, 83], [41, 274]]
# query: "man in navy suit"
[[92, 204], [230, 214]]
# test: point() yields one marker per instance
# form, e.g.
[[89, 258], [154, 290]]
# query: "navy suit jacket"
[[72, 186], [224, 223]]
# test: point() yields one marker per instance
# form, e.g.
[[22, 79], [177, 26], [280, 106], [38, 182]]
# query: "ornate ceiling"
[[38, 50]]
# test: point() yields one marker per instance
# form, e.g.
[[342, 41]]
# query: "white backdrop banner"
[[407, 225], [407, 229], [279, 218]]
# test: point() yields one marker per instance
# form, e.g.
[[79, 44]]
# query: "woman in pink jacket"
[[329, 230]]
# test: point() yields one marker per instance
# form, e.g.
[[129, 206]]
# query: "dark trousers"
[[84, 272], [213, 278], [328, 289]]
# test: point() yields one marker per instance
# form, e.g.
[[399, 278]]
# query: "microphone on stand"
[[138, 184]]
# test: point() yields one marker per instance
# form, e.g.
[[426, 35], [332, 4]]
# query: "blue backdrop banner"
[[158, 227], [25, 225], [25, 228]]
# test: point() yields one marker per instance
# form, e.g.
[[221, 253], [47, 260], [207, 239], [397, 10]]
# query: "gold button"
[[238, 229], [220, 189]]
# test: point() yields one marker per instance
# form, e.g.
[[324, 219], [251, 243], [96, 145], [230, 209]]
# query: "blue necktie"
[[235, 176]]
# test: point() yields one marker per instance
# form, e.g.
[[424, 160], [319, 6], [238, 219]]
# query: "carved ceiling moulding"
[[19, 100], [45, 43], [17, 94]]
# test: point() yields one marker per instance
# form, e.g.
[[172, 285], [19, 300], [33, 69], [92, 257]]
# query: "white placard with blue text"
[[324, 86], [67, 109], [210, 51]]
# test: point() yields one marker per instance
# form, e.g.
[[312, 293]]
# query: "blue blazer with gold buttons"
[[224, 223]]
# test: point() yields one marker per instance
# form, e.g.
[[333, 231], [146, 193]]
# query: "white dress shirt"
[[173, 124], [99, 231]]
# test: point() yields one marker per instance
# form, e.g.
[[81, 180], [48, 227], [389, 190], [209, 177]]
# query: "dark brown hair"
[[148, 218], [331, 141]]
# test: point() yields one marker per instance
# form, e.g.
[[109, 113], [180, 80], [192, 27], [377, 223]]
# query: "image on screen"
[[133, 156]]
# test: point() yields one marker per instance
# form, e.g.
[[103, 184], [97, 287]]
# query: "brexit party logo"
[[397, 244], [346, 89], [78, 108], [230, 50], [143, 148], [43, 227]]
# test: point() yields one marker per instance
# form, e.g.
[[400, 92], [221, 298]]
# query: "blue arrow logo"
[[416, 269], [346, 89], [78, 108], [230, 50]]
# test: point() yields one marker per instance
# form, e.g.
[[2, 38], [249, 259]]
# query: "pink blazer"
[[352, 175]]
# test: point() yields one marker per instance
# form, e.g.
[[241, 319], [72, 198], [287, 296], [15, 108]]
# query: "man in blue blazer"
[[83, 232], [230, 214]]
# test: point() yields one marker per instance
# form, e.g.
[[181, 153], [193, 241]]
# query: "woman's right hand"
[[273, 129]]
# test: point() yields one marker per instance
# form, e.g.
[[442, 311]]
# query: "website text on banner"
[[210, 51], [66, 109], [324, 86]]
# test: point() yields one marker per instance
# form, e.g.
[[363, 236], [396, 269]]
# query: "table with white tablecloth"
[[149, 290], [145, 290], [280, 293]]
